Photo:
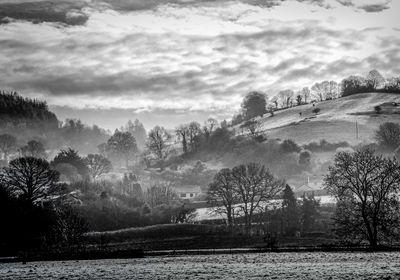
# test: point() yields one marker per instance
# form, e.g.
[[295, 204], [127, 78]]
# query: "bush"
[[289, 146], [378, 109], [316, 110], [325, 146]]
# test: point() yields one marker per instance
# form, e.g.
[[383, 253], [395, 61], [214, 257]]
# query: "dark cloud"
[[85, 82], [67, 12], [134, 5], [374, 8], [369, 8]]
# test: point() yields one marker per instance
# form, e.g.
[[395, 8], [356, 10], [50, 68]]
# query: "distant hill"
[[336, 120], [18, 111], [28, 119]]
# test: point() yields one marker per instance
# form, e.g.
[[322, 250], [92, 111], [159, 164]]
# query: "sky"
[[168, 62]]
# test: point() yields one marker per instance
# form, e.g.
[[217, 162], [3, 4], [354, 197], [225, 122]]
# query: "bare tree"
[[374, 80], [254, 183], [194, 130], [160, 193], [30, 178], [366, 188], [319, 91], [306, 94], [158, 144], [331, 90], [275, 101], [183, 134], [222, 196], [70, 227], [209, 127], [253, 127], [183, 214], [8, 144], [286, 97], [393, 84], [97, 165]]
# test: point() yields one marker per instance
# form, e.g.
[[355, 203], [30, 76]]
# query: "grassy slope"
[[335, 122]]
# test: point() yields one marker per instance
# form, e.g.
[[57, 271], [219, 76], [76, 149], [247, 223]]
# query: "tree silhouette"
[[290, 215], [194, 134], [71, 157], [254, 105], [182, 133], [253, 183], [158, 145], [30, 179], [308, 212], [122, 145], [222, 196], [366, 188]]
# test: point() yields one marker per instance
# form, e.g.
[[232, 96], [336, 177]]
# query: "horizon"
[[167, 62]]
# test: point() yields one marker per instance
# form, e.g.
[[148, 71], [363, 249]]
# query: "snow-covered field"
[[278, 266]]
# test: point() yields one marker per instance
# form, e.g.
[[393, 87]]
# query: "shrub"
[[316, 110], [378, 109]]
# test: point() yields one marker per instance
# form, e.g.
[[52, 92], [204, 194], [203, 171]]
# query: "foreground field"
[[248, 266]]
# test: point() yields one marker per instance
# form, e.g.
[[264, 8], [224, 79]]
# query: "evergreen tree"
[[290, 217], [308, 212]]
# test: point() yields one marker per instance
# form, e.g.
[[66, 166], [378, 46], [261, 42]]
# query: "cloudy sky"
[[171, 61]]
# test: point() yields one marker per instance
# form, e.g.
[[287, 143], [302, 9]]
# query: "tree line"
[[257, 103]]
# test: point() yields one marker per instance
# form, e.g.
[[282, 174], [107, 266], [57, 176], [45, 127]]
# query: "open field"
[[336, 120], [278, 266]]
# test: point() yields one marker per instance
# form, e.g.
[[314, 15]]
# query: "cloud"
[[374, 8], [370, 6], [200, 58], [66, 12]]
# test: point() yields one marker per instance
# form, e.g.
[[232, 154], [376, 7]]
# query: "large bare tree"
[[366, 188], [254, 183], [158, 144], [30, 178], [222, 195]]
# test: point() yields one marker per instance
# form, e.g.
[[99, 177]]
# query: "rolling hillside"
[[336, 121]]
